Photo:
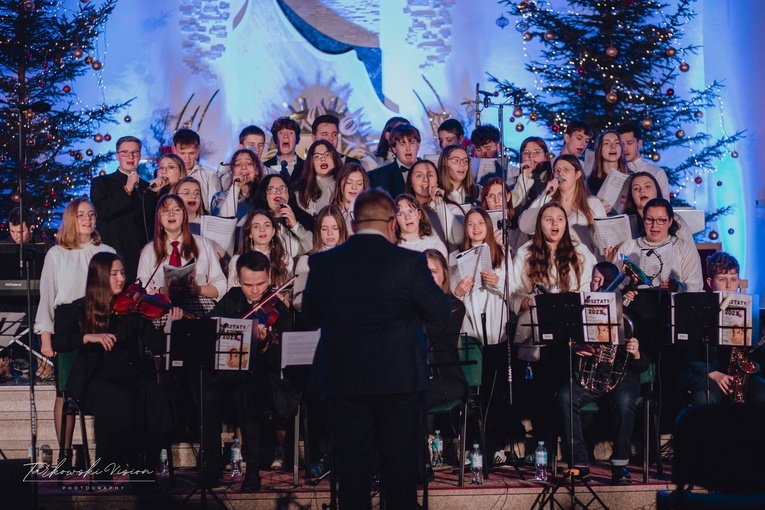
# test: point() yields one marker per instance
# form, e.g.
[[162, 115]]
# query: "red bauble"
[[72, 153], [107, 137], [555, 128], [67, 89], [672, 196], [581, 71], [698, 179], [579, 92], [670, 92], [53, 192]]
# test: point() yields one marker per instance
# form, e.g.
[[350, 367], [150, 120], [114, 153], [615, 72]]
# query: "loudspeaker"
[[16, 492]]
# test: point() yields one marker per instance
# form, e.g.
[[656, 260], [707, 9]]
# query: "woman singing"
[[133, 414], [315, 187], [456, 177], [259, 234], [413, 226], [352, 179], [247, 171]]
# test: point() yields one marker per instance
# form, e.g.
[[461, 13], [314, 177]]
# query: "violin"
[[267, 314], [134, 299]]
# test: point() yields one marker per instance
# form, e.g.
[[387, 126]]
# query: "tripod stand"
[[558, 320]]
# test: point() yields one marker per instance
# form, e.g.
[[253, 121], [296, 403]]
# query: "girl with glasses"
[[413, 226], [456, 177], [174, 245], [315, 187]]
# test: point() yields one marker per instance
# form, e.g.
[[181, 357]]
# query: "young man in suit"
[[371, 361], [187, 146], [405, 144], [286, 135]]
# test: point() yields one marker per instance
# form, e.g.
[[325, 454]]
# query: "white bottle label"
[[541, 458], [478, 461]]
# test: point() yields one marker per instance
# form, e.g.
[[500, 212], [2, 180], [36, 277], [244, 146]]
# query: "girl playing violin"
[[133, 414]]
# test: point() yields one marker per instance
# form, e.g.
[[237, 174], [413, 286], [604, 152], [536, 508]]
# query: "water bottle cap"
[[541, 443], [438, 431], [475, 446], [236, 440]]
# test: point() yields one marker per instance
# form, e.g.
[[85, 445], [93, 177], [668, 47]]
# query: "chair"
[[471, 361], [650, 418], [72, 407], [718, 448]]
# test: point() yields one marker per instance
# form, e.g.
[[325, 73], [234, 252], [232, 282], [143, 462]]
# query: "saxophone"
[[740, 368]]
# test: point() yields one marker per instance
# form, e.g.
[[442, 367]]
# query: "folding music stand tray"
[[9, 324], [559, 321], [696, 320], [193, 345]]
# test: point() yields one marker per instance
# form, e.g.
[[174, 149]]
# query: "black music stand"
[[696, 320], [558, 322], [193, 344]]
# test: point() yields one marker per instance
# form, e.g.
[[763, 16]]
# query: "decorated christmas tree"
[[47, 131], [608, 62]]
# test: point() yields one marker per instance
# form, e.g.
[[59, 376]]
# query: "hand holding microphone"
[[436, 194], [526, 170], [286, 212], [552, 186], [132, 181], [158, 182]]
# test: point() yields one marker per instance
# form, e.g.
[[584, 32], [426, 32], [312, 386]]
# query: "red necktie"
[[175, 255]]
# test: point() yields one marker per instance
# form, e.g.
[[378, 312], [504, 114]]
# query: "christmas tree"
[[608, 62], [46, 129]]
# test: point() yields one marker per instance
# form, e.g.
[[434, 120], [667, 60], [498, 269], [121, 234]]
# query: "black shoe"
[[251, 482], [620, 476]]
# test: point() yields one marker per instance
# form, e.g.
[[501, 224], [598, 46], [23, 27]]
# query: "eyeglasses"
[[168, 168], [494, 196], [126, 154], [529, 153], [459, 161], [403, 213], [176, 211], [187, 194], [659, 221], [273, 190], [90, 216], [322, 156]]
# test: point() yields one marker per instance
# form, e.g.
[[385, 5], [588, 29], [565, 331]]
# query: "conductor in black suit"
[[370, 299]]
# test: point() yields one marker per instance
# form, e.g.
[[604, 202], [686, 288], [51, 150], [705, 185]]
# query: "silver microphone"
[[280, 201], [156, 182]]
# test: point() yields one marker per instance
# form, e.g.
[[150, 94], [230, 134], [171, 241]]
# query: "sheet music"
[[735, 319], [484, 166], [181, 276], [219, 230], [614, 190], [612, 231], [496, 216], [471, 262], [234, 344], [9, 324], [299, 347], [589, 162], [600, 318]]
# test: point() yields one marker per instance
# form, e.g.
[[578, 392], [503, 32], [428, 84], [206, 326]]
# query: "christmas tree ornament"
[[672, 195], [647, 123], [502, 22], [67, 89], [698, 179], [698, 114], [72, 153], [684, 67], [31, 141], [731, 231], [521, 26], [98, 137], [579, 92], [128, 119], [52, 193], [29, 6], [78, 156], [734, 154], [611, 97], [581, 71], [719, 183], [16, 198], [611, 51], [517, 111], [88, 60], [671, 52], [713, 235], [89, 152], [29, 114], [512, 119], [670, 92], [107, 137], [523, 5], [102, 172], [534, 116], [555, 128], [96, 65], [655, 157], [519, 127], [549, 35], [680, 133], [527, 36], [78, 53]]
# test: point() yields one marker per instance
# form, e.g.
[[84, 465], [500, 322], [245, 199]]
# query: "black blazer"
[[388, 177], [297, 170], [125, 222], [370, 299]]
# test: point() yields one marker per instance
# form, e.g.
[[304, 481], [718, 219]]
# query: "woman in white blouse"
[[569, 189], [175, 245], [62, 281], [413, 226]]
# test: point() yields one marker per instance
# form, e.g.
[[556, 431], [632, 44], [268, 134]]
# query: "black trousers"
[[243, 393], [386, 427]]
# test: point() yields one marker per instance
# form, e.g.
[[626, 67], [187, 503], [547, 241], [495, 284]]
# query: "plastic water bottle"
[[46, 455], [476, 466], [164, 464], [236, 460], [438, 449], [540, 461]]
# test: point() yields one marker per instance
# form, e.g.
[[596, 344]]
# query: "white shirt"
[[425, 243], [208, 270], [327, 187], [63, 279]]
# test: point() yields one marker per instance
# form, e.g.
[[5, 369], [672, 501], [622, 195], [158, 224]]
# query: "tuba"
[[605, 369]]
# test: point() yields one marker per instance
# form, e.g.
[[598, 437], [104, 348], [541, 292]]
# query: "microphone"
[[541, 289], [492, 94], [557, 178], [155, 183], [437, 194], [281, 202]]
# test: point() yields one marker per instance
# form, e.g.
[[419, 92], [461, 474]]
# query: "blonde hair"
[[68, 235]]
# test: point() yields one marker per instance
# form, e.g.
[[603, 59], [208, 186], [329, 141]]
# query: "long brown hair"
[[471, 190], [276, 251], [188, 246], [98, 293], [333, 211], [307, 187], [497, 254], [68, 234], [424, 228], [579, 204], [342, 176], [598, 170], [485, 193], [566, 257]]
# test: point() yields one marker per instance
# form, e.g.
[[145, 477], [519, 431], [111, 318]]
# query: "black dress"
[[133, 414]]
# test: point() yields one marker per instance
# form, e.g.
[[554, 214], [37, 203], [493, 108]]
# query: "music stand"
[[193, 344], [9, 324], [556, 319]]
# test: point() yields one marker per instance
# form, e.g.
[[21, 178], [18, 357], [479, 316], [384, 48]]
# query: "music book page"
[[234, 344], [614, 190], [471, 262], [735, 319], [299, 347], [219, 230], [612, 231]]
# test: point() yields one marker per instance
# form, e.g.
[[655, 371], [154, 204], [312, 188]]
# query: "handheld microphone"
[[156, 184], [492, 94], [281, 202], [438, 194], [557, 178]]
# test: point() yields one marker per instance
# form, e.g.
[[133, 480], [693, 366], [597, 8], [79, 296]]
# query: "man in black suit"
[[327, 127], [125, 205], [370, 299], [405, 143], [286, 135]]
